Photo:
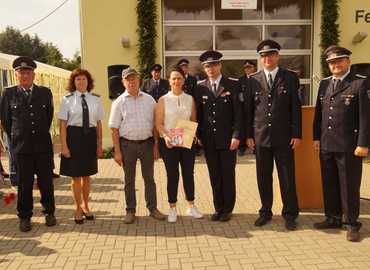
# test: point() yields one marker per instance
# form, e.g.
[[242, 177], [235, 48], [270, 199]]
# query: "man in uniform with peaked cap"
[[219, 118], [155, 86], [273, 113], [341, 133], [190, 81], [26, 113]]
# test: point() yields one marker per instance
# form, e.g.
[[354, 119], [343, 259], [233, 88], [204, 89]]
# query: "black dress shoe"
[[88, 217], [225, 217], [262, 220], [216, 216], [25, 225], [290, 225], [50, 220], [329, 223], [353, 232], [79, 221]]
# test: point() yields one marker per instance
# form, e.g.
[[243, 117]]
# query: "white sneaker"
[[194, 212], [172, 215]]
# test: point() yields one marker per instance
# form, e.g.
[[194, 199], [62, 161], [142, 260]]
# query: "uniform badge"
[[347, 101]]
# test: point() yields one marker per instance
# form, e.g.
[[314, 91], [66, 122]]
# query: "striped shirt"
[[133, 116]]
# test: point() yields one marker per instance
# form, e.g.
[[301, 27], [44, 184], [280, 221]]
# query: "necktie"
[[214, 87], [28, 95], [270, 81], [335, 84], [85, 114]]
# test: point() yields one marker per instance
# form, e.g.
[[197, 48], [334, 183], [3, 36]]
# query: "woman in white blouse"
[[176, 105], [80, 115]]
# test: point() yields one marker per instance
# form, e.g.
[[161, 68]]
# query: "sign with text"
[[239, 4]]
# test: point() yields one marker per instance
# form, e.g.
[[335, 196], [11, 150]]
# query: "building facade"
[[187, 28]]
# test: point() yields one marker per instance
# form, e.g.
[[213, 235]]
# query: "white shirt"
[[273, 73], [71, 109], [217, 82], [133, 116], [176, 108]]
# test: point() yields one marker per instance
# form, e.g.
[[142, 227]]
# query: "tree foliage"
[[329, 29], [12, 41], [147, 22]]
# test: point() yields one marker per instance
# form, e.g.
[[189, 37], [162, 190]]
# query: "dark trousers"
[[341, 180], [172, 157], [131, 152], [221, 168], [27, 165], [284, 158]]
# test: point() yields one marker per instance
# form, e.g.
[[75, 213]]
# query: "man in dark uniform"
[[274, 131], [341, 132], [190, 81], [249, 68], [26, 115], [219, 119], [155, 86]]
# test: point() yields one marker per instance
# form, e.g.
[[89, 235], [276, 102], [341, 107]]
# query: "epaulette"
[[95, 94], [361, 76], [233, 79], [69, 95], [201, 81], [258, 71]]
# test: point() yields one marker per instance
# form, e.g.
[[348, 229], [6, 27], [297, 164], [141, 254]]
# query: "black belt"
[[136, 141]]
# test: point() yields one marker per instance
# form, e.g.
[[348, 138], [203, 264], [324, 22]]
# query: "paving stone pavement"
[[107, 243]]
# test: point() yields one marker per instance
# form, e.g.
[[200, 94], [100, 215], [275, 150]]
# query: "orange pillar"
[[307, 164]]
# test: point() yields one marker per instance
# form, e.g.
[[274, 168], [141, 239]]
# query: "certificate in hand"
[[183, 133]]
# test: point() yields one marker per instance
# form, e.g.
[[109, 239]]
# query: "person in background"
[[80, 115], [249, 69], [155, 86], [177, 105]]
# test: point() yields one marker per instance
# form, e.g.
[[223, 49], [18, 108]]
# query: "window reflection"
[[238, 14], [300, 64], [195, 67], [287, 9], [238, 37], [304, 93], [188, 10], [290, 36], [188, 38]]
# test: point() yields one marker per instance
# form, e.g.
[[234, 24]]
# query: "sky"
[[62, 28]]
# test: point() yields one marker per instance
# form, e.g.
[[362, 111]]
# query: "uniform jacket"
[[342, 118], [219, 115], [273, 117], [190, 84], [150, 87], [27, 120]]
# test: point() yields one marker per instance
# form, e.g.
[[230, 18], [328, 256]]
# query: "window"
[[193, 26]]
